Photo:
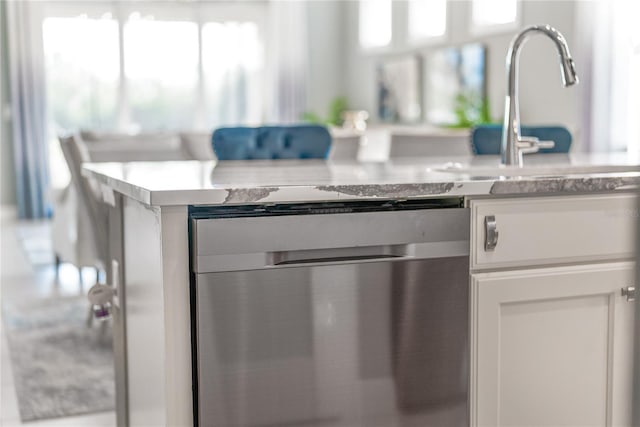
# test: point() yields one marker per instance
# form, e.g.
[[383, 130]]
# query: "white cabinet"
[[551, 345]]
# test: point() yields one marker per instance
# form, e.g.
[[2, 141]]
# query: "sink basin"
[[537, 170]]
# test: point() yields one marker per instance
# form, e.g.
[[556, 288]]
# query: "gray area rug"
[[35, 237], [60, 367]]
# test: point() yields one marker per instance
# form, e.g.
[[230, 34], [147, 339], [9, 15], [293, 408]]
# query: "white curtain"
[[288, 61], [610, 75], [27, 81]]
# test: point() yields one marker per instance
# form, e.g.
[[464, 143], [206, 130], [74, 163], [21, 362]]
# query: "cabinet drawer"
[[554, 230]]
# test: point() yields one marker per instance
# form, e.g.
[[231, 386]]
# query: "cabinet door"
[[552, 346]]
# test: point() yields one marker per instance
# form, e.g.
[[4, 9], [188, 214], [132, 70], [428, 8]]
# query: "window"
[[146, 66], [490, 15], [161, 67], [624, 85], [82, 65], [614, 85], [427, 19], [633, 111], [375, 23], [153, 66], [83, 71], [233, 60]]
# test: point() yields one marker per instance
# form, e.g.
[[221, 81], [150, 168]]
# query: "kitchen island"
[[152, 271]]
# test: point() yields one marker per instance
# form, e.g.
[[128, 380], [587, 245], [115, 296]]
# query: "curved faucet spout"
[[513, 146]]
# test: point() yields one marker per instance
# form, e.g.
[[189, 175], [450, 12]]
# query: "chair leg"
[[90, 317], [58, 262], [104, 326]]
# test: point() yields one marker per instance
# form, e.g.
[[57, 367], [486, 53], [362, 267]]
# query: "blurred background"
[[151, 80], [117, 66]]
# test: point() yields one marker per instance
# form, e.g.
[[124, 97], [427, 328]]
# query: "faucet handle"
[[546, 144], [527, 145], [531, 144]]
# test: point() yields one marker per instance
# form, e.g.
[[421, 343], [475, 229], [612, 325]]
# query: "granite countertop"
[[281, 181]]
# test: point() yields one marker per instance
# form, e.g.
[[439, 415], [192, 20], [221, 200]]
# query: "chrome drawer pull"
[[629, 292], [101, 299], [491, 233]]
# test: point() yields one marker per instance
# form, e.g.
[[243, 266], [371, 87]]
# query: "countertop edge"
[[447, 187]]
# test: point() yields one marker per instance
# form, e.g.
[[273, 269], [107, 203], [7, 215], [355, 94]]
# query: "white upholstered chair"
[[79, 227], [436, 144], [197, 145], [78, 214], [114, 147], [346, 144], [345, 147]]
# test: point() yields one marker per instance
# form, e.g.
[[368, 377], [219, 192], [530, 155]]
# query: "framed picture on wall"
[[398, 90], [455, 86]]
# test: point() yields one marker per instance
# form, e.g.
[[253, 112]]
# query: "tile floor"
[[32, 276]]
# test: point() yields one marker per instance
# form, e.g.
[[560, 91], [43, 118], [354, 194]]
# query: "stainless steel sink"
[[537, 170]]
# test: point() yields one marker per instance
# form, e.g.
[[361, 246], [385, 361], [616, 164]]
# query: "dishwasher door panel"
[[376, 344]]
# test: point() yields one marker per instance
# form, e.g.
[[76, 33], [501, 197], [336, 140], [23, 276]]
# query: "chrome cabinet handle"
[[101, 299], [491, 233], [629, 292]]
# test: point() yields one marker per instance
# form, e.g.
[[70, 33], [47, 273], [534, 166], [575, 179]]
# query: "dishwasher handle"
[[337, 255], [327, 256]]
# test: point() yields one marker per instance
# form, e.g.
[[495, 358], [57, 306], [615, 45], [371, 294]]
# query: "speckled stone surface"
[[282, 181], [248, 195], [568, 184], [389, 190]]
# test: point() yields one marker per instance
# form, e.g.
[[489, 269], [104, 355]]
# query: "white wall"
[[542, 97], [326, 22]]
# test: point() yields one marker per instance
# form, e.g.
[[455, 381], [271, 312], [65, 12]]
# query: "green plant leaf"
[[338, 106]]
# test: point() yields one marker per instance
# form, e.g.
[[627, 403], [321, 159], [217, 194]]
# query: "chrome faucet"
[[515, 145]]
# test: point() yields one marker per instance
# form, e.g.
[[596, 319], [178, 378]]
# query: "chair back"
[[197, 145], [429, 145], [487, 139], [345, 147], [272, 142], [140, 147], [88, 197]]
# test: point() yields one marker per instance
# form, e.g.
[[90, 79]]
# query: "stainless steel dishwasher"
[[336, 314]]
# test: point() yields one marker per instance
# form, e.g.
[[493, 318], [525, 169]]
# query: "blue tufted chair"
[[272, 142], [486, 139]]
